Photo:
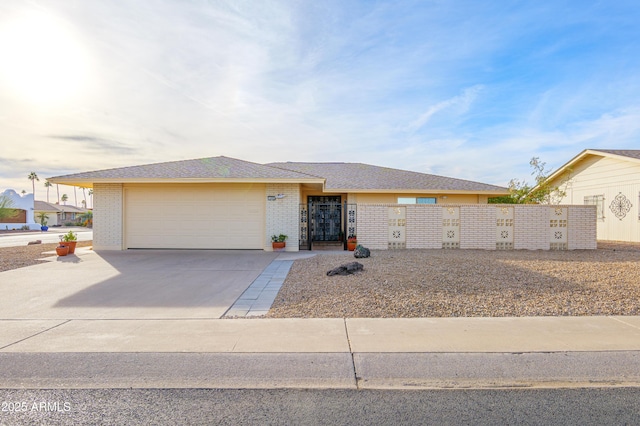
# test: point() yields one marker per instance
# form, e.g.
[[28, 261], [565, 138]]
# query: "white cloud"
[[458, 105]]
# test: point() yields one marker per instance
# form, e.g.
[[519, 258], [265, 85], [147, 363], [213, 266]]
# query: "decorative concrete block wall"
[[478, 227], [531, 227], [107, 216], [283, 214], [373, 225], [423, 227], [487, 227], [581, 233]]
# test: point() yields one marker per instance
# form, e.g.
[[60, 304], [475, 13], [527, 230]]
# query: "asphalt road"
[[51, 236], [588, 406]]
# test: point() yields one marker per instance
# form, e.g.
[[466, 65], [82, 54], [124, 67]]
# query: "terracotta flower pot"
[[62, 250], [71, 245], [351, 245], [276, 245]]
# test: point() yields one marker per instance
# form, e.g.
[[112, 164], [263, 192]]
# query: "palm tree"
[[84, 194], [48, 185], [33, 177], [23, 192], [64, 199]]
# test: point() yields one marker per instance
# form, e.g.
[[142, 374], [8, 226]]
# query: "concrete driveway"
[[140, 284]]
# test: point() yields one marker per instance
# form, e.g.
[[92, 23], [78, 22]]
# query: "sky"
[[471, 89]]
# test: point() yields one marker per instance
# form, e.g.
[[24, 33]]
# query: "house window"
[[598, 201], [416, 200]]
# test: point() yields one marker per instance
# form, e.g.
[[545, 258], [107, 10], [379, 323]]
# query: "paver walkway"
[[258, 298]]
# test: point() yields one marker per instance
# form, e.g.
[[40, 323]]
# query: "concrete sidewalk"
[[370, 335], [322, 353]]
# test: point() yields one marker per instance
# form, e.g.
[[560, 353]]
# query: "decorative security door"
[[326, 218]]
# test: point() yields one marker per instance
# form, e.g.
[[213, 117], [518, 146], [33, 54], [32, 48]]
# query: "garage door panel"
[[230, 216]]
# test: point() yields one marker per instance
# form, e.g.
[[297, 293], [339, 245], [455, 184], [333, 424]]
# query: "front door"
[[326, 218]]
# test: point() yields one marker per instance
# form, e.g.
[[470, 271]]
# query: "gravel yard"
[[470, 283], [19, 257]]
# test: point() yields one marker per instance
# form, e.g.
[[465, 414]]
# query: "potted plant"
[[70, 239], [62, 250], [42, 217], [278, 242], [352, 242]]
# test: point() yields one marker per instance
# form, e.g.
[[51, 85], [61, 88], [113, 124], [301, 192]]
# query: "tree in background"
[[47, 185], [64, 199], [541, 192], [33, 177], [6, 208]]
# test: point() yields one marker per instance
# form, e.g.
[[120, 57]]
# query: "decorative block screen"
[[397, 227], [451, 227], [504, 228]]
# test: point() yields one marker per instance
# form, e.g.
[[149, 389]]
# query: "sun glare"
[[40, 59]]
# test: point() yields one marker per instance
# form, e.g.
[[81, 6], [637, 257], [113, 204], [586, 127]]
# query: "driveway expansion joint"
[[34, 335]]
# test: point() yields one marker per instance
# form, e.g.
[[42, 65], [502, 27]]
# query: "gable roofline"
[[333, 177], [625, 155], [367, 178], [199, 170]]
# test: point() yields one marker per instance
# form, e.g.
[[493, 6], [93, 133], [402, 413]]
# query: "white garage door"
[[206, 216]]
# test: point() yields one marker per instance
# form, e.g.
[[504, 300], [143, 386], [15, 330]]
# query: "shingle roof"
[[342, 176], [202, 168], [631, 153], [358, 176], [51, 207]]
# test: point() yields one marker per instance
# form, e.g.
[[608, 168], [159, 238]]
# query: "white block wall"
[[423, 227], [582, 235], [477, 226], [283, 214], [107, 216], [531, 227], [373, 225]]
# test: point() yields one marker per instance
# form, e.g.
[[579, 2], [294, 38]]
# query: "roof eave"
[[89, 182], [419, 191]]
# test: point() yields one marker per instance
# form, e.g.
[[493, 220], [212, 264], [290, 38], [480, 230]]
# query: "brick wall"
[[107, 216], [423, 227], [582, 235], [283, 214], [477, 226], [531, 227], [373, 225]]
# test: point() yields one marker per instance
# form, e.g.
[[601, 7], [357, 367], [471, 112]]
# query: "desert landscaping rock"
[[361, 252], [19, 257], [346, 269], [471, 283]]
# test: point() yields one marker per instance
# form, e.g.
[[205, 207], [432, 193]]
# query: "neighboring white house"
[[58, 214], [24, 214], [610, 180]]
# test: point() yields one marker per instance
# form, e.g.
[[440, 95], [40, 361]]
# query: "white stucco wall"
[[22, 202]]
